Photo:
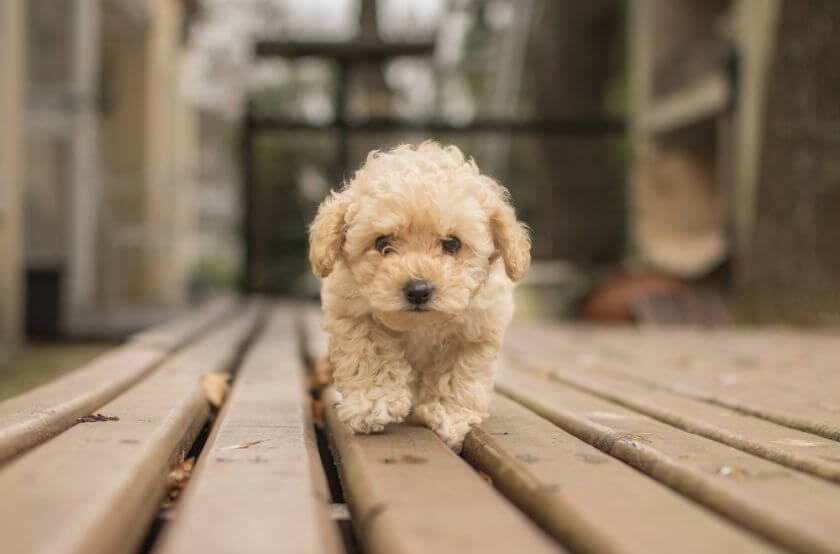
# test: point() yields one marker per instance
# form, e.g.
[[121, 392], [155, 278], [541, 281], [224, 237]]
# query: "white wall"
[[11, 172]]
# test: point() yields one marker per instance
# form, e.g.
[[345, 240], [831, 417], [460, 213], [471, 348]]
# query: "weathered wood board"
[[37, 415], [769, 375], [259, 485], [409, 493], [792, 509], [587, 499], [172, 335], [96, 487], [791, 447], [575, 409]]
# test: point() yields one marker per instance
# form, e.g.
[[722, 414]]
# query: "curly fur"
[[386, 358]]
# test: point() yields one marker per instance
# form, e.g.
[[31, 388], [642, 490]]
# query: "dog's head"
[[419, 230]]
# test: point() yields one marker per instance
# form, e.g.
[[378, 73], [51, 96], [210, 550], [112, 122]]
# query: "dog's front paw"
[[370, 411], [451, 425]]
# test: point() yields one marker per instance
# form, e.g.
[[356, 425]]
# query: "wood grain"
[[40, 414], [409, 493], [96, 487], [587, 499], [272, 495], [794, 510]]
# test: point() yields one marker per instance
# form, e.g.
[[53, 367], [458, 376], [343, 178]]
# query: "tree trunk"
[[792, 269], [576, 53]]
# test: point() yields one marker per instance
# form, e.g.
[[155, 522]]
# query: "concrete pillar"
[[84, 182], [162, 186], [124, 151], [12, 79]]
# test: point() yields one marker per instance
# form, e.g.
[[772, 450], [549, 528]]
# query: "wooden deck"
[[600, 440]]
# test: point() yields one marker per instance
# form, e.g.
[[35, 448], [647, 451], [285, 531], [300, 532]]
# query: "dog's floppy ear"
[[326, 234], [511, 237]]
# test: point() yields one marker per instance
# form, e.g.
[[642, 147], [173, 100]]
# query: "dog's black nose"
[[418, 292]]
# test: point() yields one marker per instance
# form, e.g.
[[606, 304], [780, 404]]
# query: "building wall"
[[112, 201], [171, 150], [150, 153], [12, 79], [125, 107], [50, 110]]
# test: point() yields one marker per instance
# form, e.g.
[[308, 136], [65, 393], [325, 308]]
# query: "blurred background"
[[677, 160]]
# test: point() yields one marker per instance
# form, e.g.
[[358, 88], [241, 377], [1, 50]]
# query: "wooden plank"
[[795, 510], [691, 363], [408, 492], [770, 351], [542, 126], [13, 187], [365, 50], [790, 447], [727, 357], [315, 340], [96, 487], [705, 98], [35, 416], [277, 484], [758, 355], [170, 336], [773, 355], [572, 489], [42, 413]]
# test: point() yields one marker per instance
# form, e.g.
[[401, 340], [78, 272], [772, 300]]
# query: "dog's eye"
[[451, 244], [383, 244]]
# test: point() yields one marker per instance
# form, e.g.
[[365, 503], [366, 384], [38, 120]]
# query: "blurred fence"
[[564, 166]]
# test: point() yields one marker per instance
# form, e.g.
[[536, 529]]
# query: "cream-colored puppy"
[[418, 253]]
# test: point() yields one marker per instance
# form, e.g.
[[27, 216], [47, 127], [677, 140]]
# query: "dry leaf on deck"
[[177, 479], [246, 444], [96, 417], [486, 477], [216, 386], [321, 375], [318, 413]]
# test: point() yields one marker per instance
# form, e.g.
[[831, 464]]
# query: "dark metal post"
[[341, 118], [249, 200]]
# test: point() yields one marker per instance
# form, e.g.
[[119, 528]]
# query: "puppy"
[[418, 254]]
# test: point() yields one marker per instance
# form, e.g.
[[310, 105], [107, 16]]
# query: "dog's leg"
[[455, 394], [371, 374]]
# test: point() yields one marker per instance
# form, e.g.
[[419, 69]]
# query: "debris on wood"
[[246, 444], [92, 418], [797, 442], [730, 471], [406, 459], [487, 478], [339, 512], [321, 375], [318, 413], [177, 479], [216, 386]]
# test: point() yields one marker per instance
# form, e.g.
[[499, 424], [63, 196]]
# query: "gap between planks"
[[96, 487], [790, 447], [262, 457], [588, 500], [792, 509], [687, 363], [408, 492], [42, 413], [578, 523]]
